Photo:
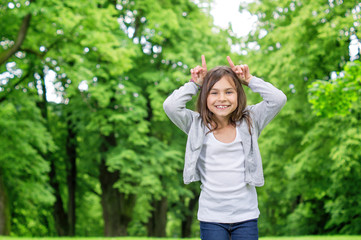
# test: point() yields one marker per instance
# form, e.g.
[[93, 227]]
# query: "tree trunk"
[[4, 210], [188, 220], [71, 178], [59, 214], [157, 223], [110, 202], [117, 207]]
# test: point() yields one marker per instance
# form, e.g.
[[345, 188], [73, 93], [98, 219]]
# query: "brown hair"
[[239, 114]]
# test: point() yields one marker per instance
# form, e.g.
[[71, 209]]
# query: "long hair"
[[239, 114]]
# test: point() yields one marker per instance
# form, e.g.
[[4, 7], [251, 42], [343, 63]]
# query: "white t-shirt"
[[225, 197]]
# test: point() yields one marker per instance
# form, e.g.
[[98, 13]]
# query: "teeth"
[[222, 107]]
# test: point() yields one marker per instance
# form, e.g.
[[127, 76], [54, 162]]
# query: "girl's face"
[[222, 98]]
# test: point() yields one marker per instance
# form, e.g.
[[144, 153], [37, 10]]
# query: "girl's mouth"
[[222, 106]]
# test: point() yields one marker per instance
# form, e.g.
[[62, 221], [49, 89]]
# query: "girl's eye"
[[229, 92], [213, 93]]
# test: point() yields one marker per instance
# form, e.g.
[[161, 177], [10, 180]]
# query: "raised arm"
[[273, 98], [273, 101], [175, 105]]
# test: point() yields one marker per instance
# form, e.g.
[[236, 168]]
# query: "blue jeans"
[[247, 230]]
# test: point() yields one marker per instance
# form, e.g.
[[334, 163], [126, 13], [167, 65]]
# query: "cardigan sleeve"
[[273, 101], [175, 106]]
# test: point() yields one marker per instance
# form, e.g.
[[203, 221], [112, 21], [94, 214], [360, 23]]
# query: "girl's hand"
[[242, 71], [198, 73]]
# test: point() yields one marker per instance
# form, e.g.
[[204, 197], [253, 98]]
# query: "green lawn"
[[314, 238], [144, 238]]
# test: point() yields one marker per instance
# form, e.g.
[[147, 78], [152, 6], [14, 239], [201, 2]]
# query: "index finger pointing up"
[[230, 61], [204, 64]]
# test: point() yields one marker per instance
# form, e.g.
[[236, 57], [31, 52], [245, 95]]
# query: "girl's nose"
[[222, 96]]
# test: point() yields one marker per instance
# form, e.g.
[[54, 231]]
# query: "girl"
[[222, 150]]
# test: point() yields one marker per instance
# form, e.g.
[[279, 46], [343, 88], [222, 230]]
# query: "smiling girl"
[[222, 149]]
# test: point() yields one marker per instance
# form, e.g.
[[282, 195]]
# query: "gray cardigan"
[[191, 123]]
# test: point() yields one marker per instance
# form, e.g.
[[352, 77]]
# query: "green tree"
[[296, 43], [109, 140], [24, 183], [67, 28], [171, 36], [336, 97], [337, 103]]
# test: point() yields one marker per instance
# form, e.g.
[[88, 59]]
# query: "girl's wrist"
[[198, 85], [248, 79]]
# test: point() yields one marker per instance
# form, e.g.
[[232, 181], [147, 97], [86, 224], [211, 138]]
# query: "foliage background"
[[102, 159]]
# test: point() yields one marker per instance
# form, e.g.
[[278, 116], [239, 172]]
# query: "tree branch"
[[4, 56]]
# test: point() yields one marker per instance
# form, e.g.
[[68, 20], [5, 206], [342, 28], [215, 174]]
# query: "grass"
[[340, 237]]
